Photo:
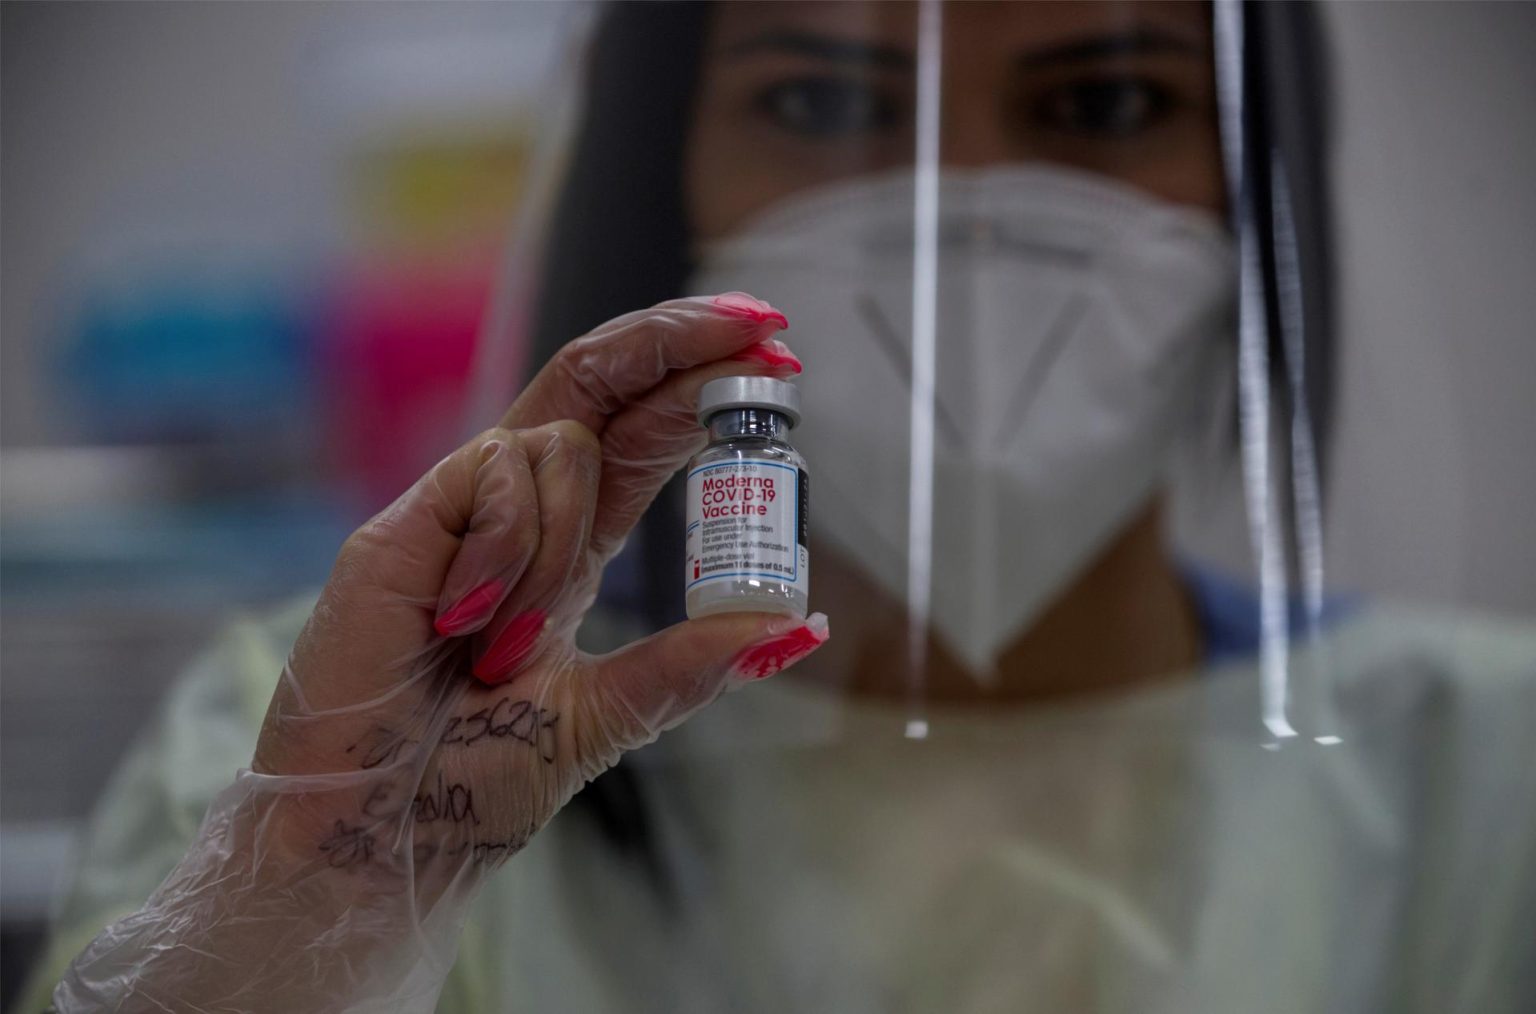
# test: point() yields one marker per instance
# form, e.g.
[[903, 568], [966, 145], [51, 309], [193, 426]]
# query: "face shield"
[[1014, 284], [1151, 615]]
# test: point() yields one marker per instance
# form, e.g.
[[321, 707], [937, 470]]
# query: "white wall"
[[1434, 479]]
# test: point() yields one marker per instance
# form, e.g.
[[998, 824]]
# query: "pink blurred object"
[[396, 355]]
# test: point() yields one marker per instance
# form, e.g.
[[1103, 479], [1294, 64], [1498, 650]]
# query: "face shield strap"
[[1273, 314], [1306, 495], [925, 302], [1253, 364], [1289, 84]]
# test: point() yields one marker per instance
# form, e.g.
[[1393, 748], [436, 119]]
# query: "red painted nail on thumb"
[[776, 654]]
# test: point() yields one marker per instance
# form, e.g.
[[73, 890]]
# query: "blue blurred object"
[[179, 357]]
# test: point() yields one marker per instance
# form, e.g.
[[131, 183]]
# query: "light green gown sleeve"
[[152, 806]]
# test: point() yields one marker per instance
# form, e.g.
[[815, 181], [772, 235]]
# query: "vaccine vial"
[[748, 502]]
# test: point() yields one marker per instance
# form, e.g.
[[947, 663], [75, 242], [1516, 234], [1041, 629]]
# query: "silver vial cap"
[[750, 392]]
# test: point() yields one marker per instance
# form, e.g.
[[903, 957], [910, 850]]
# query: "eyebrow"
[[824, 47], [1137, 42]]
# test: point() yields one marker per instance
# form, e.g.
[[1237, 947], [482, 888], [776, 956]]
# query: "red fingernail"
[[470, 611], [777, 654], [511, 647], [751, 308], [772, 352]]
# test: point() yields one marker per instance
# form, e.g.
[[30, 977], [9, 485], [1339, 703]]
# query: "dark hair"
[[620, 236], [620, 239]]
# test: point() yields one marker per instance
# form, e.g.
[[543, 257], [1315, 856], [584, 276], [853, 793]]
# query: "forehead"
[[1010, 24]]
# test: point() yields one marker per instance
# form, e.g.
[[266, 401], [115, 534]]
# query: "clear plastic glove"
[[435, 712]]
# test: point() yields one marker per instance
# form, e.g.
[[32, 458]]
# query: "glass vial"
[[748, 502]]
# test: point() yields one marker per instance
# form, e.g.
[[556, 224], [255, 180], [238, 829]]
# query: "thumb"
[[654, 684]]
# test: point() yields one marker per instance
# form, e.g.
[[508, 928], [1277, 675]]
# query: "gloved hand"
[[435, 712]]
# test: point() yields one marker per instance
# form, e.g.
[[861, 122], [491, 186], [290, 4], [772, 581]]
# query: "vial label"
[[747, 520]]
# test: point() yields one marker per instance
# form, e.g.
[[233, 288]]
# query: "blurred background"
[[245, 249]]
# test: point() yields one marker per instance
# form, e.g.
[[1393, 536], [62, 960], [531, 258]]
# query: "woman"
[[1047, 843]]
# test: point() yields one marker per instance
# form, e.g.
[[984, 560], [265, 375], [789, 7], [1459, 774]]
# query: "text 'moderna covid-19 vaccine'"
[[748, 502]]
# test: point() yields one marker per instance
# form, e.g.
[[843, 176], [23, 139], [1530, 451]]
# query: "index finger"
[[596, 375]]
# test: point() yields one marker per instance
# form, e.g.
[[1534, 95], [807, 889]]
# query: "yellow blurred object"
[[431, 190]]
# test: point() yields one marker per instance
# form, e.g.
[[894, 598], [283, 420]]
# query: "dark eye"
[[1104, 107], [824, 107]]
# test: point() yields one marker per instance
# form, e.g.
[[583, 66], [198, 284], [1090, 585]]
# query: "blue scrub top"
[[1228, 613]]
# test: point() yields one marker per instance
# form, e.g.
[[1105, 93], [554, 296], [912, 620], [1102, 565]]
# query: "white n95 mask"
[[1077, 324]]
